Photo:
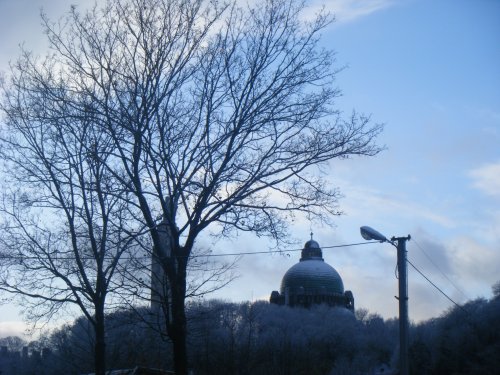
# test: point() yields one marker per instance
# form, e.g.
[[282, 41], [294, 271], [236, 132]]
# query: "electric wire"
[[279, 251], [435, 286], [284, 251]]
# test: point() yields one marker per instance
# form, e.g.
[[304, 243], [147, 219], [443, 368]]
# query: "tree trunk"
[[178, 325], [179, 343], [100, 344]]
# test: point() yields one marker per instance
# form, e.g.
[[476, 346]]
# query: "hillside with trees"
[[261, 338]]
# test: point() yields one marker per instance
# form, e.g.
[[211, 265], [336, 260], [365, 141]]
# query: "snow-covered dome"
[[312, 281], [312, 276]]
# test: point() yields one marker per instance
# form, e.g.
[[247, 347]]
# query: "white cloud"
[[487, 179], [350, 10], [12, 328]]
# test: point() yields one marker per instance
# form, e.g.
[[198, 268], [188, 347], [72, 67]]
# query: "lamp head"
[[371, 234]]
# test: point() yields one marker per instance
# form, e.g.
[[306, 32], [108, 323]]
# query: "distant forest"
[[261, 338]]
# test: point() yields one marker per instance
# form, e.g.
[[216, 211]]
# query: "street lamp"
[[400, 243]]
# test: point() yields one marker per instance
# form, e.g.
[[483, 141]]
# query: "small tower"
[[158, 278]]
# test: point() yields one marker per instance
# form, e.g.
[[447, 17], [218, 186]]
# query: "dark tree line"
[[260, 338]]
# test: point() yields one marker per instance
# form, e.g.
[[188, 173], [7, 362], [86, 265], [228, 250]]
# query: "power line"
[[435, 286], [280, 251]]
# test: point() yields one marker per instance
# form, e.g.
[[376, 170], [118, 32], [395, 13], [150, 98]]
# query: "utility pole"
[[369, 233], [403, 304]]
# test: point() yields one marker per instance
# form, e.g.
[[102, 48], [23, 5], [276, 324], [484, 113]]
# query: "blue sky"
[[429, 70]]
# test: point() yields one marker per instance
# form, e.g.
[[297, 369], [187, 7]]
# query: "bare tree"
[[64, 224], [216, 117]]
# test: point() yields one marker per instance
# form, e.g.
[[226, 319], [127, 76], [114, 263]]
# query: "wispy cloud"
[[350, 10], [487, 179], [362, 200]]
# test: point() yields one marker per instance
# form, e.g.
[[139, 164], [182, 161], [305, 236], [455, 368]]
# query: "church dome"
[[312, 276], [312, 281]]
